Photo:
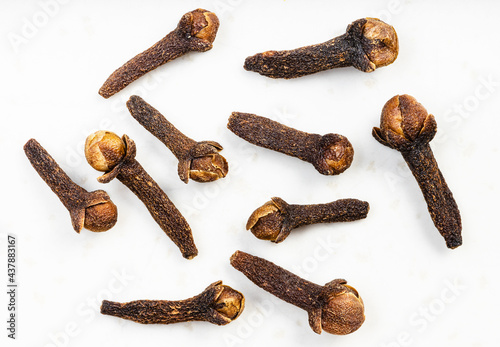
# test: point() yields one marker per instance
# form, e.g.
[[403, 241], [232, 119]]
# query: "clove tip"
[[104, 150], [100, 217], [380, 42]]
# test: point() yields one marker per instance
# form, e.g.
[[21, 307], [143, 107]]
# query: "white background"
[[416, 291]]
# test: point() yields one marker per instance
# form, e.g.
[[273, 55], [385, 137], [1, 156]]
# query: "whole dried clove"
[[199, 161], [406, 127], [336, 307], [368, 43], [331, 154], [275, 219], [90, 210], [218, 304], [196, 31], [107, 152]]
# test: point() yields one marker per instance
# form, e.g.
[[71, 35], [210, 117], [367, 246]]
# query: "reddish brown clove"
[[107, 152], [367, 44], [196, 31], [335, 307], [217, 304], [331, 154], [275, 219], [199, 161], [406, 127], [90, 210]]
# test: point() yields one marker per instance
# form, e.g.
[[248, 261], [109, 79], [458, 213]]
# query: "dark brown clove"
[[196, 31], [218, 304], [275, 219], [335, 307], [406, 127], [367, 44], [90, 210], [199, 161], [107, 152], [331, 154]]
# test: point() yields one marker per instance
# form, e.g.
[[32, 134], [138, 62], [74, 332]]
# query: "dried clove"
[[368, 43], [107, 152], [331, 154], [336, 307], [196, 31], [406, 127], [199, 161], [275, 219], [90, 210], [218, 304]]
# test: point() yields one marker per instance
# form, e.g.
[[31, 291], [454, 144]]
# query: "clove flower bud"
[[90, 210], [217, 304], [199, 161], [368, 44], [406, 127], [195, 32], [275, 219], [331, 154], [107, 152], [335, 307]]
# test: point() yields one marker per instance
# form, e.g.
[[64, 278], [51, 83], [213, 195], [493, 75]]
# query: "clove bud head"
[[100, 217], [335, 154], [404, 124], [266, 222], [208, 168], [229, 303], [104, 150], [200, 24], [343, 312], [379, 42]]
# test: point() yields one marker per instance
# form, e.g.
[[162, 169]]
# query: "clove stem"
[[106, 152], [91, 210], [331, 154], [335, 307], [195, 32], [367, 45], [199, 161], [440, 202], [218, 304]]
